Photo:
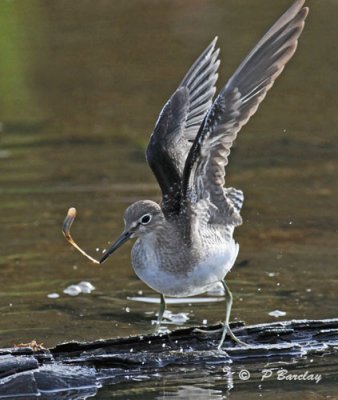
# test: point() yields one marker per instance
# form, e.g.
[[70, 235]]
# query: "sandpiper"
[[185, 244]]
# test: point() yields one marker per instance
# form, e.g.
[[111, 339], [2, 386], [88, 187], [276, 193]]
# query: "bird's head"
[[140, 218]]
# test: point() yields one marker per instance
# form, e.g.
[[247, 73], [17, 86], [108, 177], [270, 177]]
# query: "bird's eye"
[[146, 219]]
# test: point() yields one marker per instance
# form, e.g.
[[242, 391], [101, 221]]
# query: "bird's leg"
[[160, 314], [226, 327], [209, 331]]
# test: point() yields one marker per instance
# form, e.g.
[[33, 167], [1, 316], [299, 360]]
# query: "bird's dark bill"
[[119, 242]]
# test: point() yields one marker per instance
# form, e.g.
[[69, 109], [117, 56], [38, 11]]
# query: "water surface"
[[82, 84]]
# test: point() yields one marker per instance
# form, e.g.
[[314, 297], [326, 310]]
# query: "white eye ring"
[[145, 219]]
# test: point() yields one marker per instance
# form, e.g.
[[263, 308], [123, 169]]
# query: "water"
[[82, 84]]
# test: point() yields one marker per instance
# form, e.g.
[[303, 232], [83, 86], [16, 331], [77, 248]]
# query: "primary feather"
[[204, 173]]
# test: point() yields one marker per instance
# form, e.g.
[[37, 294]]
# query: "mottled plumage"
[[185, 245]]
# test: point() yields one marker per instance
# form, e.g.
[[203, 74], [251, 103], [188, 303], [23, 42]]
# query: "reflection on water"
[[229, 382], [181, 300], [82, 84]]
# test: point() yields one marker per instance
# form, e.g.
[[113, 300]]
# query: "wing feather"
[[178, 125], [204, 174]]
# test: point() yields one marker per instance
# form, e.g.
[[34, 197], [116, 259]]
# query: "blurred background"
[[82, 84]]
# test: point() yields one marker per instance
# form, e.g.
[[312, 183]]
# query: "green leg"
[[226, 327], [160, 314]]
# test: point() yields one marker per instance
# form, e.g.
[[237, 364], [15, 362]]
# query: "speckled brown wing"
[[204, 173]]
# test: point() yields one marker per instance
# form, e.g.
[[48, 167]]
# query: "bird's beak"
[[119, 242]]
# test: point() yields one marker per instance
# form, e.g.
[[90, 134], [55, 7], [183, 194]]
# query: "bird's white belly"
[[187, 281]]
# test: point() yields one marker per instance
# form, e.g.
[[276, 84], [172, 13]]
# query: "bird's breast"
[[181, 272]]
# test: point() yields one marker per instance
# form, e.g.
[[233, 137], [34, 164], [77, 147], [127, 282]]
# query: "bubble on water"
[[86, 287], [271, 274], [127, 309], [72, 290], [82, 287], [178, 319], [277, 313], [53, 295]]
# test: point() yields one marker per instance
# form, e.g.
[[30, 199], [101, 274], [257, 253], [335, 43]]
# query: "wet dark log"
[[75, 370]]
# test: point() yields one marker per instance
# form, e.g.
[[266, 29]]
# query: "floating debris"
[[86, 287], [277, 313], [73, 290], [175, 319], [53, 295], [272, 274], [34, 345], [82, 287]]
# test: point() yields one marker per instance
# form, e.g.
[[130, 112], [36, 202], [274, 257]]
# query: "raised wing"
[[204, 174], [178, 124]]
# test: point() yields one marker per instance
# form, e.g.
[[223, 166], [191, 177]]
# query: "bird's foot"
[[208, 332], [225, 330]]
